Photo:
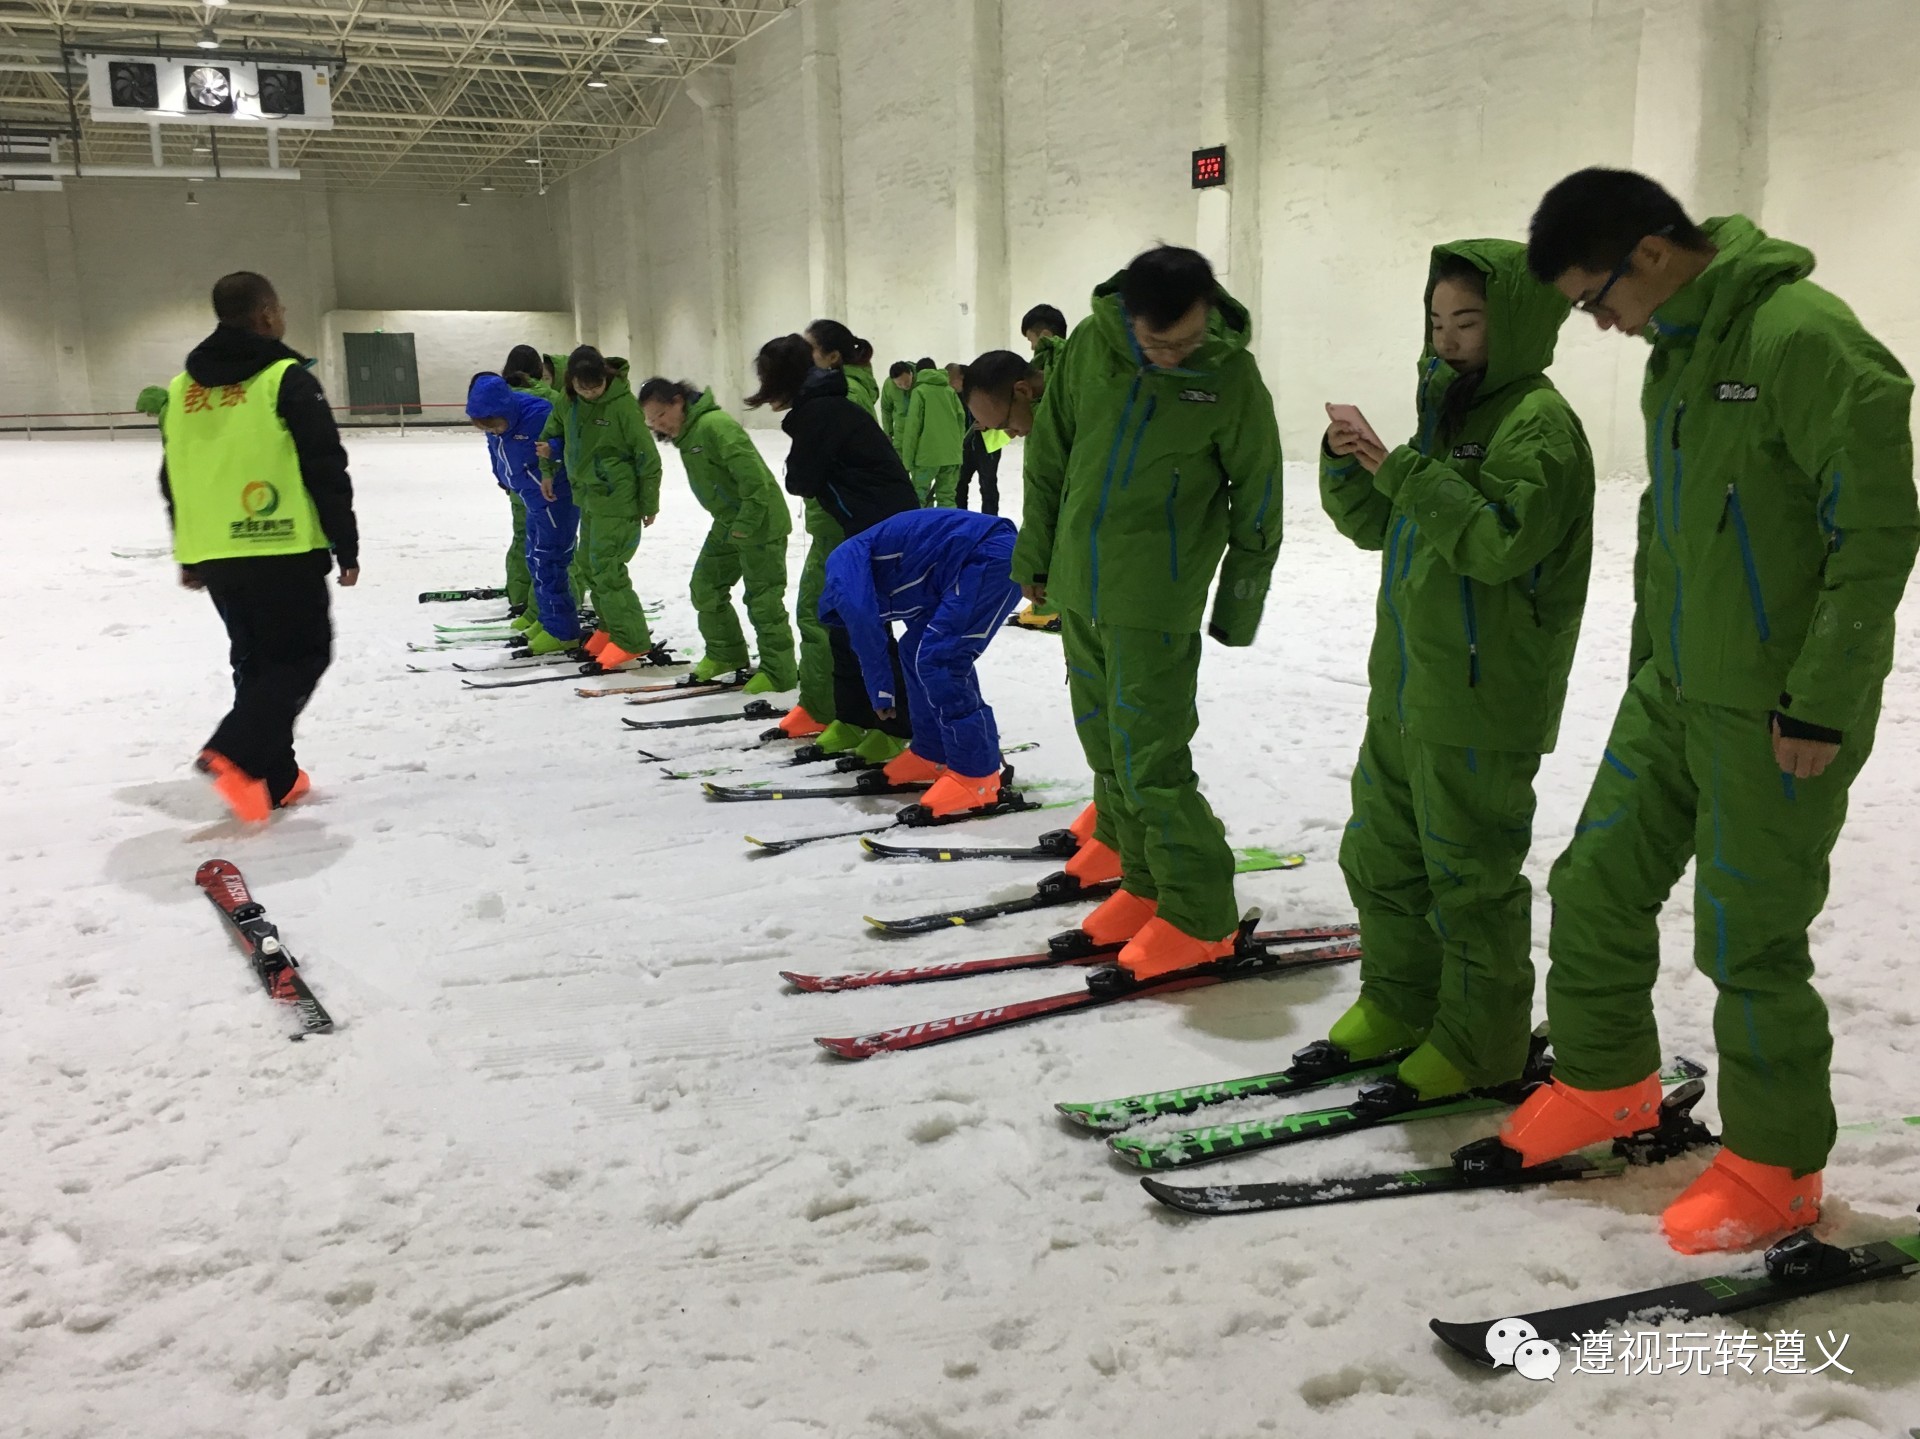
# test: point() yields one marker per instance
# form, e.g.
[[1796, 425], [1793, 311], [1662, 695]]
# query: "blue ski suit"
[[551, 524], [946, 575]]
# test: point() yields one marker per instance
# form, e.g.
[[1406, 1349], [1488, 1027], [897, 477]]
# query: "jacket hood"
[[1229, 329], [1523, 316], [490, 397], [1749, 263], [617, 383], [822, 382], [698, 408], [932, 380], [230, 355]]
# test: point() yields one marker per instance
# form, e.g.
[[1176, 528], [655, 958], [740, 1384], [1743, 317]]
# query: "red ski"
[[1251, 962], [277, 969], [961, 968]]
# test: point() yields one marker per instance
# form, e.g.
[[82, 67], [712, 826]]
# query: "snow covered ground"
[[572, 1167]]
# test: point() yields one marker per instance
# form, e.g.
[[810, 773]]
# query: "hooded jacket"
[[931, 435], [611, 459], [1139, 479], [231, 355], [728, 477], [893, 407], [1047, 353], [861, 388], [840, 459], [1778, 526], [515, 465], [1486, 529]]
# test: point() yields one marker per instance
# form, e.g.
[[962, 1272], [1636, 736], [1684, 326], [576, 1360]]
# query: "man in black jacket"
[[256, 484]]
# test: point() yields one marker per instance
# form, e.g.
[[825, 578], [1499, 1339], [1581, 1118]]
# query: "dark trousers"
[[850, 699], [280, 631], [975, 456]]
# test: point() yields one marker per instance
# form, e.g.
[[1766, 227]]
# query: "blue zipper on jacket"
[[1393, 610], [1679, 579], [1732, 510], [1173, 528], [1106, 489], [1473, 631]]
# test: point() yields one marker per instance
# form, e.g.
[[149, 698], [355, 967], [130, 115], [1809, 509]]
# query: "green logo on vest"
[[259, 498]]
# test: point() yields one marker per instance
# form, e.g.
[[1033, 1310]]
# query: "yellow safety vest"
[[234, 472]]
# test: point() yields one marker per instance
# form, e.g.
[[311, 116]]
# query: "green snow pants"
[[577, 571], [938, 486], [1432, 857], [1133, 706], [519, 577], [816, 653], [612, 544], [1683, 780], [724, 562]]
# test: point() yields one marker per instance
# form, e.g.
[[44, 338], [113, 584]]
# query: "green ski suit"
[[861, 388], [1049, 350], [893, 407], [1137, 481], [1776, 535], [614, 469], [748, 542], [1486, 533], [930, 436]]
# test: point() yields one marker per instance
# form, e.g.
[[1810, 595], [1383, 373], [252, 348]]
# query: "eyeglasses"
[[1594, 305]]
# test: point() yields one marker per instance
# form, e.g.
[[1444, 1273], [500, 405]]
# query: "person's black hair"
[[862, 352], [1464, 386], [834, 336], [1592, 220], [925, 362], [1163, 284], [782, 367], [996, 373], [1044, 317], [587, 365], [899, 368], [662, 391], [238, 297], [524, 366]]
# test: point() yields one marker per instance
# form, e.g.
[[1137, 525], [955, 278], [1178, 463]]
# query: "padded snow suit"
[[930, 437], [1776, 536], [614, 468], [748, 542], [1138, 480], [1486, 534], [547, 526], [944, 574]]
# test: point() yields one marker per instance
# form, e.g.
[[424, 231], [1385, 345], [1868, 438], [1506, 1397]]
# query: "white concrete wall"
[[106, 282], [449, 346], [1382, 129]]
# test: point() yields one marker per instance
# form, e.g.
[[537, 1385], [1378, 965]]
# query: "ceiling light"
[[654, 36], [487, 189], [215, 2], [596, 81], [206, 39], [465, 203], [533, 159]]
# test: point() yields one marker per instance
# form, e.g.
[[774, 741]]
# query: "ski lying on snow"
[[452, 596], [755, 710], [1483, 1164], [912, 817], [1250, 961], [1363, 1111], [871, 783], [1798, 1266], [277, 969], [1081, 952], [686, 687], [1056, 889], [553, 678]]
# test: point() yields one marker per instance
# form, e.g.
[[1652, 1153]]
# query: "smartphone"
[[1350, 416]]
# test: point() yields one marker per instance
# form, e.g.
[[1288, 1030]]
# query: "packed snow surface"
[[572, 1165]]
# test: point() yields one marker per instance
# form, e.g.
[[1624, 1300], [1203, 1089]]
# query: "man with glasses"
[[1776, 536]]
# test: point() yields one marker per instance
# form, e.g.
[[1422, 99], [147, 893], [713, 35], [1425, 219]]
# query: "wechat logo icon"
[[1516, 1342]]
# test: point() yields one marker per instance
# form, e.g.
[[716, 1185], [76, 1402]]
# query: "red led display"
[[1210, 167]]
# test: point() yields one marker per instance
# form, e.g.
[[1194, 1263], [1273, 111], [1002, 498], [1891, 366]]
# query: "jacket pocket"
[[1733, 512]]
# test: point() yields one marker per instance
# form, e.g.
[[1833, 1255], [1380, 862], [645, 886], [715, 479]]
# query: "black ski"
[[1798, 1266], [871, 782], [1056, 889], [1483, 1164], [278, 970], [1054, 844], [914, 816], [756, 710], [452, 596], [1317, 1066]]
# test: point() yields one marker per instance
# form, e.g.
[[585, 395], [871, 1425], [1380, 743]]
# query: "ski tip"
[[1174, 1196], [800, 981], [207, 873], [845, 1048], [1467, 1340], [866, 843], [879, 924]]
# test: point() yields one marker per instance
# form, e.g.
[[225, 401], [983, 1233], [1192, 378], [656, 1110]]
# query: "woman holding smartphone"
[[1484, 521]]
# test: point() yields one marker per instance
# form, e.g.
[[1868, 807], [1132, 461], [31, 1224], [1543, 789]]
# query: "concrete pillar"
[[643, 346], [983, 299], [1227, 225], [712, 90], [826, 190], [319, 295], [65, 316], [583, 278]]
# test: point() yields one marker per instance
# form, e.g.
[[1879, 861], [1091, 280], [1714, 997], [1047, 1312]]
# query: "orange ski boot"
[[1558, 1119], [596, 642], [296, 791], [1118, 918], [910, 768], [611, 656], [954, 794], [1159, 949], [1737, 1203], [798, 724], [246, 796], [1093, 862]]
